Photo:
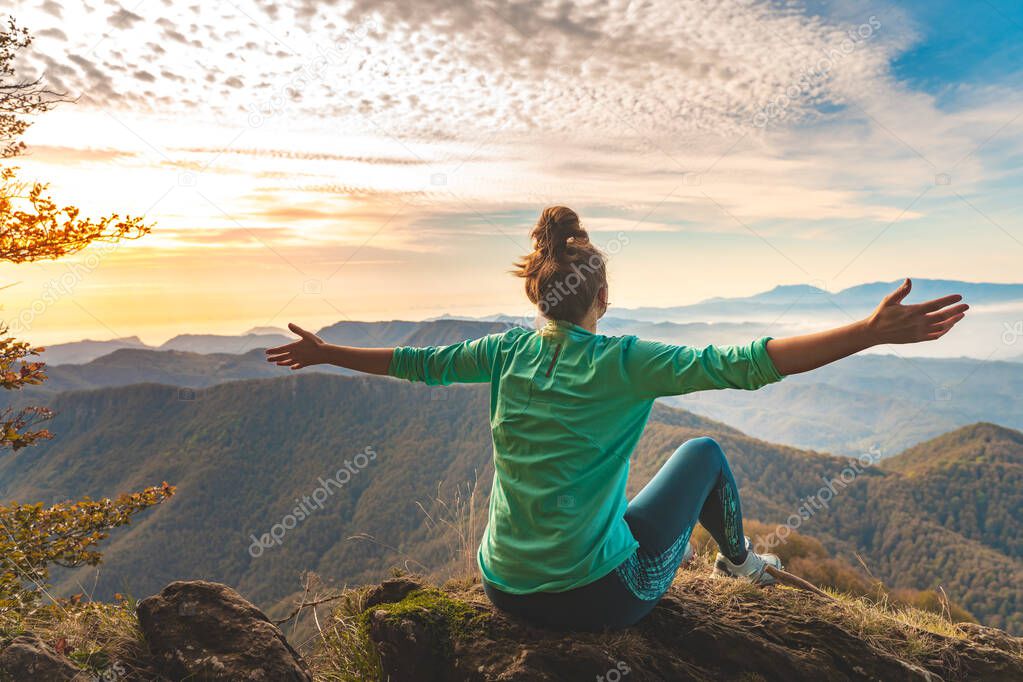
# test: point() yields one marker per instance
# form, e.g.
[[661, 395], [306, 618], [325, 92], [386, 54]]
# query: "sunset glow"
[[367, 160]]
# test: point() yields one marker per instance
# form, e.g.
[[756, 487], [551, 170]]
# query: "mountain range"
[[867, 401], [993, 329], [246, 454], [391, 333], [937, 504], [886, 402], [813, 300]]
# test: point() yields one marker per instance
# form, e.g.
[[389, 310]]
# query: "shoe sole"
[[721, 571]]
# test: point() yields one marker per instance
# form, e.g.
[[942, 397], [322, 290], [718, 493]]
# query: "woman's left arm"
[[310, 350], [891, 322], [466, 362]]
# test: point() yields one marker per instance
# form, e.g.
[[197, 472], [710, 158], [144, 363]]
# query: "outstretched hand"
[[893, 322], [308, 350]]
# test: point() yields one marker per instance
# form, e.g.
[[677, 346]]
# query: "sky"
[[316, 160]]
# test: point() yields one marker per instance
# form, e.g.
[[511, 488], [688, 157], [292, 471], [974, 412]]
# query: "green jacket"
[[567, 408]]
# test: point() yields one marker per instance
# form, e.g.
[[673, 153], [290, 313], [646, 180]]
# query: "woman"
[[563, 547]]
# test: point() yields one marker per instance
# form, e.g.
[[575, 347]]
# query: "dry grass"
[[104, 639], [100, 636], [892, 628], [342, 653], [909, 634], [914, 636], [461, 521]]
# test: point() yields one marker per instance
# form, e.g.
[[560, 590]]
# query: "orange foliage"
[[33, 227]]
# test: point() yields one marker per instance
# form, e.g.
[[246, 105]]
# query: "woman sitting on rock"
[[563, 546]]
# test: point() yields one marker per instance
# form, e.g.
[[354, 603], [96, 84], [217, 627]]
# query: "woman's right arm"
[[891, 322], [312, 350], [655, 369]]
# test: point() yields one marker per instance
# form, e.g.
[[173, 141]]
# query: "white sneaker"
[[752, 569]]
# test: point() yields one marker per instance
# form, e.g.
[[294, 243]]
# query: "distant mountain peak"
[[979, 430], [120, 339], [979, 443], [262, 331], [792, 289]]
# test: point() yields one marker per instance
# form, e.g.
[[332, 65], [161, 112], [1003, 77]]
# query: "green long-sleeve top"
[[567, 408]]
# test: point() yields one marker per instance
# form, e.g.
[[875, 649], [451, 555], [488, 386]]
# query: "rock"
[[27, 657], [991, 637], [207, 631], [393, 590], [410, 649], [696, 632]]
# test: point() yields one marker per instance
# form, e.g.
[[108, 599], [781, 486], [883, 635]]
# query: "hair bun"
[[565, 272], [559, 234]]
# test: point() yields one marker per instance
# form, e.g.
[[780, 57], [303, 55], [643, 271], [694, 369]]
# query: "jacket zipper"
[[554, 358]]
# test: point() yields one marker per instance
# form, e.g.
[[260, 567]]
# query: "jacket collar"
[[564, 326]]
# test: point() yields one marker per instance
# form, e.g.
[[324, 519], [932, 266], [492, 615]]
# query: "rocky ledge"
[[406, 630]]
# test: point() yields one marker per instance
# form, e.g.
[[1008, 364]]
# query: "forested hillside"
[[199, 360], [883, 402], [886, 402], [245, 454]]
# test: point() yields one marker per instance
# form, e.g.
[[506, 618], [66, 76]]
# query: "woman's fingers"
[[945, 325], [306, 335], [896, 296], [282, 349], [946, 313], [939, 303], [938, 334]]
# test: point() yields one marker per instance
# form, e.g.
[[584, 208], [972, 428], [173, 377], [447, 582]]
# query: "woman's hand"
[[308, 350], [893, 322]]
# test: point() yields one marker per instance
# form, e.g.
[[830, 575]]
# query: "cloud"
[[296, 213], [96, 81], [75, 155], [439, 68], [123, 18], [51, 8], [175, 35], [53, 33], [302, 155], [224, 237], [730, 116]]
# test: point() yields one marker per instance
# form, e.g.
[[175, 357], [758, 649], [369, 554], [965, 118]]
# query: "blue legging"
[[694, 484]]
